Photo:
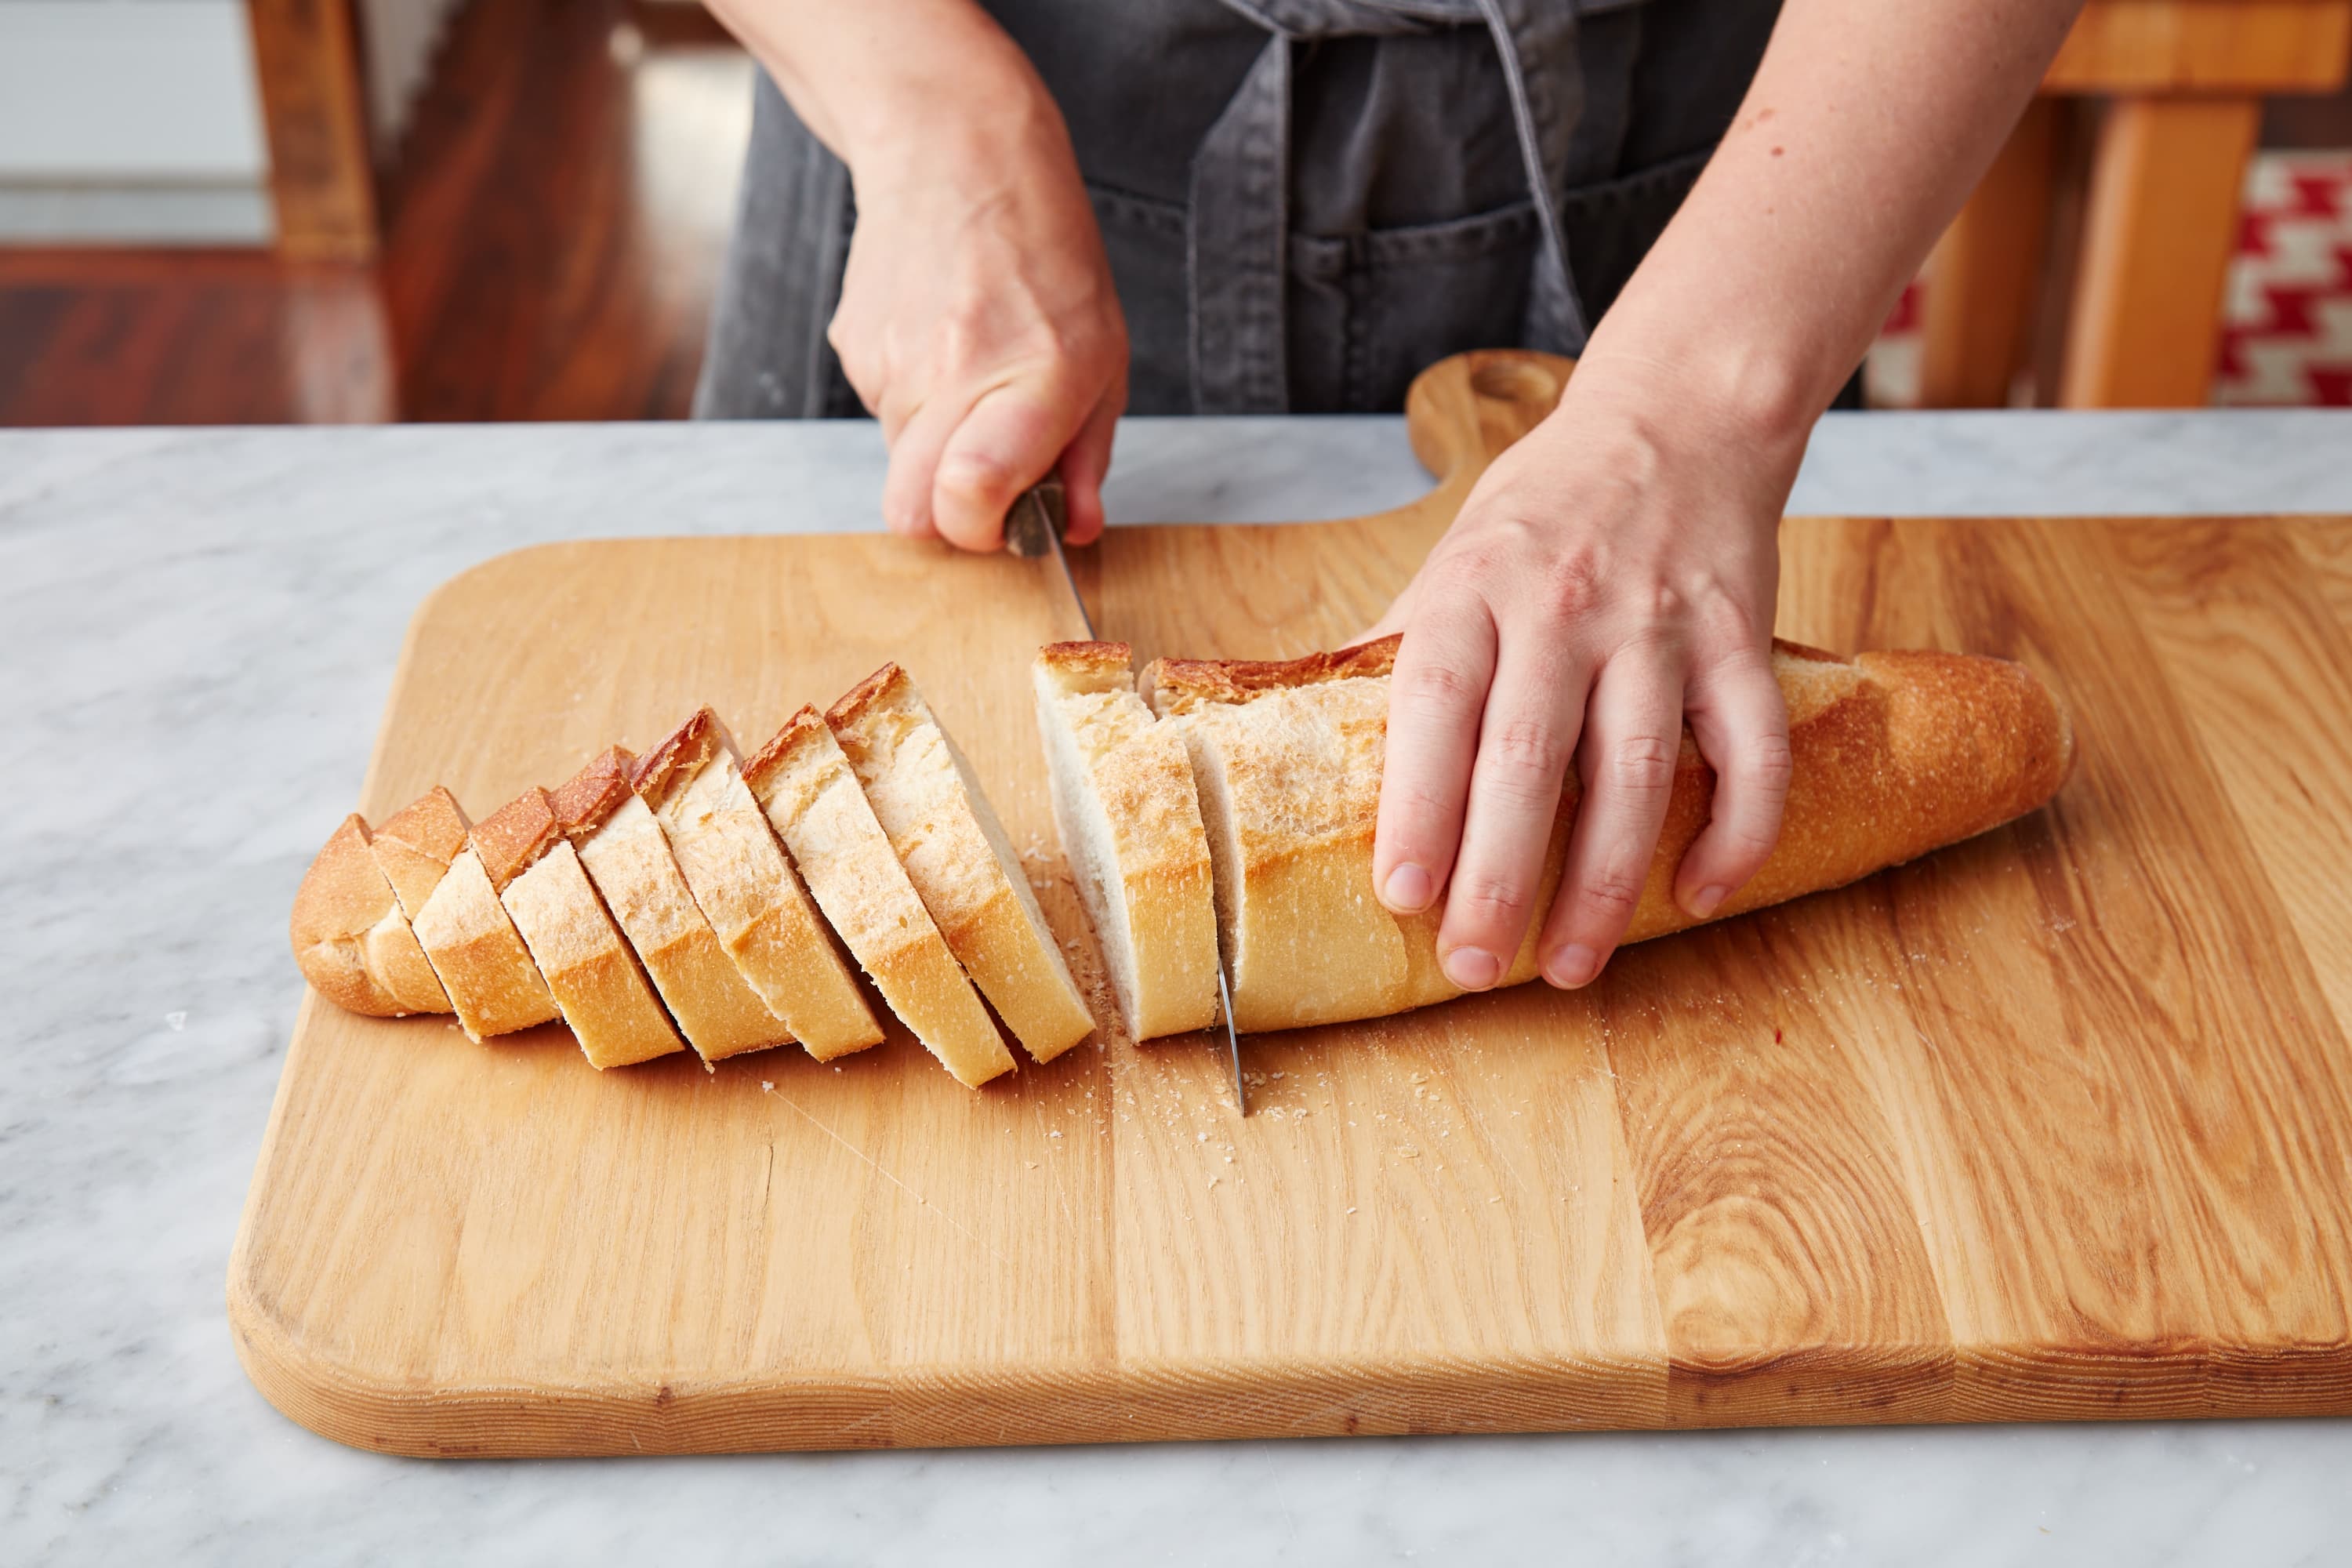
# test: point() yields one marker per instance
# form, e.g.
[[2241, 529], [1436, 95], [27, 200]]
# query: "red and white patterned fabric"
[[2286, 332], [2286, 316]]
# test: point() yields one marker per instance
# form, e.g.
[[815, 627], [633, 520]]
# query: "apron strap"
[[1238, 231], [1548, 33], [1237, 245]]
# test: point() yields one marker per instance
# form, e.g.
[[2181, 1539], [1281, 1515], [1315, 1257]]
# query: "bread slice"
[[594, 977], [813, 802], [629, 860], [416, 844], [956, 854], [1895, 754], [1129, 819], [693, 783], [478, 954], [350, 939]]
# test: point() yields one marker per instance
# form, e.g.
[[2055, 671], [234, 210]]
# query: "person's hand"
[[979, 323], [1611, 577]]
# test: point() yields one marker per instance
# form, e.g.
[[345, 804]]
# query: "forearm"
[[887, 84], [1866, 129]]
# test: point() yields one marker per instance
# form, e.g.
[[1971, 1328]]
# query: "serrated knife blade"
[[1033, 526]]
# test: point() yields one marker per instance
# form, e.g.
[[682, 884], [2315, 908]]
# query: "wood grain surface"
[[2053, 1124]]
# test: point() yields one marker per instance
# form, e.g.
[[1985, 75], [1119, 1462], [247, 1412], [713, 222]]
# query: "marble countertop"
[[197, 631]]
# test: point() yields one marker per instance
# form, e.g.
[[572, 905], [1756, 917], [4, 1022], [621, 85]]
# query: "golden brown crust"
[[513, 838], [1175, 686], [342, 898], [585, 801], [802, 728], [886, 685], [1179, 685], [1087, 658], [684, 753], [416, 844]]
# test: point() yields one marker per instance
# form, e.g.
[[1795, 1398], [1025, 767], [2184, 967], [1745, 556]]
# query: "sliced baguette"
[[960, 860], [1894, 753], [595, 978], [1130, 820], [629, 860], [480, 956], [416, 844], [350, 939], [813, 802], [693, 783]]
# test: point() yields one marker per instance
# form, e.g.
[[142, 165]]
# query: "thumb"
[[1008, 441]]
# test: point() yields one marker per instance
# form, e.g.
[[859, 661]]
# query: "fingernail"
[[1707, 899], [1572, 966], [1407, 890], [1473, 968]]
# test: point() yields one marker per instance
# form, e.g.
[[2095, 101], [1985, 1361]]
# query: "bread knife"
[[1040, 515]]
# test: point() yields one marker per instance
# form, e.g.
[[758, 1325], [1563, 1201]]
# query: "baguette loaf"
[[956, 853], [595, 978], [350, 939], [629, 860], [1130, 820], [812, 800], [749, 891], [417, 844], [1895, 754]]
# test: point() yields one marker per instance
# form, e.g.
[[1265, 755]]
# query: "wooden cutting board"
[[2054, 1124]]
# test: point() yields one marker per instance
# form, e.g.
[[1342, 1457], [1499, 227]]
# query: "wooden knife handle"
[[1043, 506]]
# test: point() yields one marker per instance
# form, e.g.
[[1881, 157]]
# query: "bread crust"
[[680, 758], [1895, 754], [1177, 686], [747, 888], [589, 968], [416, 843], [812, 799], [955, 852], [350, 938], [1129, 818]]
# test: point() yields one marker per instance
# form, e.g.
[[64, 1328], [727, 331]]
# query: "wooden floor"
[[551, 243]]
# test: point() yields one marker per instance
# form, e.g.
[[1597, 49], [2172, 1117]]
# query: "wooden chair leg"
[[313, 109], [2158, 231], [1978, 324]]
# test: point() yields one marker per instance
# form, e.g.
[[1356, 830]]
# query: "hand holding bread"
[[1228, 807]]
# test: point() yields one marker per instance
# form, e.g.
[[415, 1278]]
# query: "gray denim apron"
[[1304, 202]]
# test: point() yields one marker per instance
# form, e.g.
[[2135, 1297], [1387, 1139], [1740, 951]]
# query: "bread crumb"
[[766, 1086]]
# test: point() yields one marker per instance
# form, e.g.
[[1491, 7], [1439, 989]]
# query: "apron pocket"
[[1612, 224], [1145, 239], [1370, 312]]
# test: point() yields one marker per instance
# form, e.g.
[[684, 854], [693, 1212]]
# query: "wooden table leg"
[[1979, 308], [2158, 231]]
